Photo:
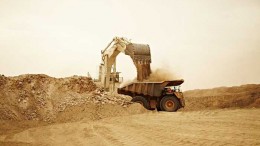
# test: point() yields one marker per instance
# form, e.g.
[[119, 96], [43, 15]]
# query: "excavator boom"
[[140, 54]]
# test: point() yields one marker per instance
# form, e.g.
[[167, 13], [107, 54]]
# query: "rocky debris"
[[40, 97], [98, 97], [3, 81], [102, 97], [79, 84], [7, 114]]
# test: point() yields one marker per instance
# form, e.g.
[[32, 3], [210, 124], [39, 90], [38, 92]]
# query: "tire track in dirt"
[[213, 127], [197, 128], [105, 135]]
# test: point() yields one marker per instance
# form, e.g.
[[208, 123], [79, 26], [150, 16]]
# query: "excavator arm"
[[140, 54]]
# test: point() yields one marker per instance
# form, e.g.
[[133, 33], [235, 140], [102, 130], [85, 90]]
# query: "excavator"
[[140, 54], [163, 95]]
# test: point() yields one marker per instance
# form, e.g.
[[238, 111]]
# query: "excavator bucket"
[[141, 56]]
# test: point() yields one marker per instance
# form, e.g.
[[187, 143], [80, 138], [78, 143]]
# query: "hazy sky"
[[207, 43]]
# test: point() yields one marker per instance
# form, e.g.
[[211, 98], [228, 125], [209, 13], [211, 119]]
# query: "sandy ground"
[[208, 127], [42, 110]]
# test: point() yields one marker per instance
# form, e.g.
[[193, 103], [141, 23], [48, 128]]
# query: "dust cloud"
[[157, 75], [161, 74]]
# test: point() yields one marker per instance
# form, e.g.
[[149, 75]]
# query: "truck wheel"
[[142, 101], [169, 104]]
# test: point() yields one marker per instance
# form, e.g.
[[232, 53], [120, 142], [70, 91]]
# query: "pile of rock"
[[40, 97], [99, 96]]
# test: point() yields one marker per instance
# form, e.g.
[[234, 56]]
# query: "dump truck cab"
[[171, 89], [165, 95], [174, 91]]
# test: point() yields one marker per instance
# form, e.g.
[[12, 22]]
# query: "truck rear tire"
[[169, 104], [142, 101]]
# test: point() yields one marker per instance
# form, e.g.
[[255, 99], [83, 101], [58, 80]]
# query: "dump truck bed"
[[153, 89]]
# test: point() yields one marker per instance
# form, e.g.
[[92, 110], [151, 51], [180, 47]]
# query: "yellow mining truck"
[[165, 95]]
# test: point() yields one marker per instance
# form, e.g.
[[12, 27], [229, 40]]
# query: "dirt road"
[[213, 127]]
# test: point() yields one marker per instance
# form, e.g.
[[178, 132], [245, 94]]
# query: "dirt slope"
[[245, 96], [36, 100], [43, 98], [218, 127]]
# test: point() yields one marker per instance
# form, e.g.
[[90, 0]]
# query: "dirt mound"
[[43, 98], [92, 112], [244, 96]]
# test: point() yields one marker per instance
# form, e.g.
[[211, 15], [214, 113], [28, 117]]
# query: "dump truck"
[[163, 96]]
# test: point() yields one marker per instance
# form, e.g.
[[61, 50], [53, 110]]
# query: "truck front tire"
[[169, 104], [142, 101]]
